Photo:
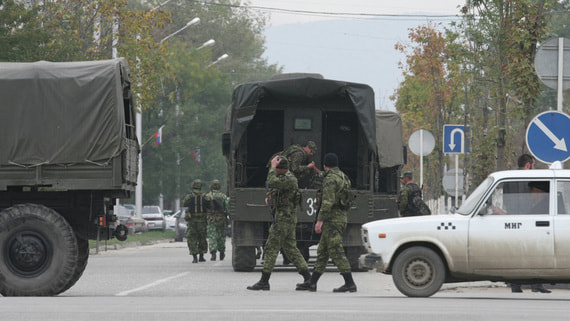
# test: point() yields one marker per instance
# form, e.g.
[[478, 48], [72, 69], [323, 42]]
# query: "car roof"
[[532, 174]]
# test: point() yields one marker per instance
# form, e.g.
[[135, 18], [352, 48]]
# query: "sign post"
[[454, 143], [552, 65], [421, 143]]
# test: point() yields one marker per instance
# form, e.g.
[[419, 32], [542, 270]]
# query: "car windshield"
[[470, 203], [150, 210]]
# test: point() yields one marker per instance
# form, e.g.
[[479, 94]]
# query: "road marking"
[[150, 285]]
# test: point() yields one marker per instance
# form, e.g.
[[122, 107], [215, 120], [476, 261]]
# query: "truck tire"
[[418, 272], [243, 258], [352, 254], [38, 251], [82, 258]]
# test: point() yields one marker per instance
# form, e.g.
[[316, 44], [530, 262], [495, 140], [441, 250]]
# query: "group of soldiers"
[[207, 217], [208, 212], [285, 168]]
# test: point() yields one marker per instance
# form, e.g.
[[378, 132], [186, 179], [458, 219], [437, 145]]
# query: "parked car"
[[128, 217], [170, 220], [500, 233], [153, 217], [179, 222]]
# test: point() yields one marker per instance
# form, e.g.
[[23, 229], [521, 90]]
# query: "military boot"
[[262, 284], [222, 255], [213, 258], [195, 260], [310, 284], [202, 259], [348, 286]]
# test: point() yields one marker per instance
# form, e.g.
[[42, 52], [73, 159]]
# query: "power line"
[[336, 14]]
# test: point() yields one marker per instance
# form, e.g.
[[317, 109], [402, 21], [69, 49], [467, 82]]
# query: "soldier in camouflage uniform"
[[217, 220], [298, 157], [284, 196], [331, 222], [197, 208]]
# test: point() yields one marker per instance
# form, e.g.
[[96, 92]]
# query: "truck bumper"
[[371, 262]]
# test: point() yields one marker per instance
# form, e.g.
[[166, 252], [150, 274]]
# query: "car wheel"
[[418, 272], [82, 258], [38, 251]]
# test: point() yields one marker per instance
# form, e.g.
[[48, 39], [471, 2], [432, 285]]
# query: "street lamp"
[[190, 23], [138, 120], [222, 57], [208, 43]]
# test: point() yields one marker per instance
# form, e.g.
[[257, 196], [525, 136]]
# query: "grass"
[[142, 238]]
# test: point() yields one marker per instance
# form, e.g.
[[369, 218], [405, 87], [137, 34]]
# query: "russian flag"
[[158, 136], [196, 154]]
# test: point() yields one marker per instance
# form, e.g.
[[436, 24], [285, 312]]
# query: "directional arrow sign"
[[454, 139], [546, 136]]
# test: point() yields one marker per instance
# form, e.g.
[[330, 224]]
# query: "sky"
[[349, 40]]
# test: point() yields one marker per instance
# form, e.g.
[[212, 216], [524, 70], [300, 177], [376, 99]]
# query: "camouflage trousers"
[[196, 235], [216, 237], [282, 236], [330, 246]]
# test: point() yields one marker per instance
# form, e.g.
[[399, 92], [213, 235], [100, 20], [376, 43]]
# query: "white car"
[[154, 218], [515, 227]]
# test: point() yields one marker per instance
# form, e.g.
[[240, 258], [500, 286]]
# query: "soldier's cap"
[[543, 186], [197, 183], [284, 163], [406, 174], [312, 146], [331, 160]]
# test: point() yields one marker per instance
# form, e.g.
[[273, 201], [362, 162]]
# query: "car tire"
[[82, 258], [38, 251], [418, 272]]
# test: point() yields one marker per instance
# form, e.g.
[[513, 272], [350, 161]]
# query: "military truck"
[[266, 117], [68, 149]]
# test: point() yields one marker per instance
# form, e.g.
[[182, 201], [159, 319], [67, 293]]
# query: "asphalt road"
[[159, 282]]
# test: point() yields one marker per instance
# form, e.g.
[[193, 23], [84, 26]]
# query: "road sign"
[[546, 136], [421, 142], [448, 182], [454, 141], [552, 61]]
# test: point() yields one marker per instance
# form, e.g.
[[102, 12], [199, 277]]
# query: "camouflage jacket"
[[403, 201], [329, 211], [283, 194], [220, 205], [195, 207]]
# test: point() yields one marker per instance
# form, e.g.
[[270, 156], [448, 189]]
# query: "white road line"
[[150, 285]]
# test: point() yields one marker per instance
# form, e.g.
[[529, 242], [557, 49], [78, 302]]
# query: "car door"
[[562, 226], [519, 239]]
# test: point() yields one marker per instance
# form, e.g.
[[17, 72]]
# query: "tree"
[[430, 95]]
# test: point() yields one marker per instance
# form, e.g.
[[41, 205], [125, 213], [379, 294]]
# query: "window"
[[563, 197], [303, 124], [520, 197]]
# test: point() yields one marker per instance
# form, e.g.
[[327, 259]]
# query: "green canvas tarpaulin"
[[62, 113], [247, 97]]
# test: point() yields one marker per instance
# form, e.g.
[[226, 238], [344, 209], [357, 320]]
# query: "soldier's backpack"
[[416, 204], [346, 195], [196, 204]]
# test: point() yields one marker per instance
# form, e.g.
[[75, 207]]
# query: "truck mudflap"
[[371, 261]]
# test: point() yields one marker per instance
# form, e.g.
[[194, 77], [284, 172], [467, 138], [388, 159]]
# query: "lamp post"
[[138, 120]]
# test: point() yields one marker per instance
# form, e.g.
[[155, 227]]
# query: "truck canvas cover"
[[62, 113], [247, 97]]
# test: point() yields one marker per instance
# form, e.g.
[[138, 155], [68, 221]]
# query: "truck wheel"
[[418, 272], [38, 251], [243, 258], [82, 257], [352, 254]]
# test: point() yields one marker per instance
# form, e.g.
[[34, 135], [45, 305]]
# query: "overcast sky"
[[349, 40]]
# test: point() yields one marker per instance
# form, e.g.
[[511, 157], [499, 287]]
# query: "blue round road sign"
[[547, 136]]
